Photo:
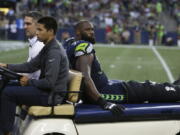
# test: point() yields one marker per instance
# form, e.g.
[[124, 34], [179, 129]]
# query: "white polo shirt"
[[35, 47]]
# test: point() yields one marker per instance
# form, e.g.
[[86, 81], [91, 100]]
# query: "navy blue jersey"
[[120, 91], [79, 48]]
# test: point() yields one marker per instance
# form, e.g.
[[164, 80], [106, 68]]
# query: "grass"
[[123, 63], [14, 56], [172, 59], [137, 63]]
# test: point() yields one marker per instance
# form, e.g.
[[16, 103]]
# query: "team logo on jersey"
[[83, 48]]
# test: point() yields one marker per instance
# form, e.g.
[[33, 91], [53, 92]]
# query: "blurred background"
[[124, 30], [118, 21]]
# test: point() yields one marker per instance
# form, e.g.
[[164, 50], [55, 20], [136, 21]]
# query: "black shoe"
[[177, 82]]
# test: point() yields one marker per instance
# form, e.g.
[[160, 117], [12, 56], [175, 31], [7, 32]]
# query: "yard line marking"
[[162, 61], [136, 46], [160, 58]]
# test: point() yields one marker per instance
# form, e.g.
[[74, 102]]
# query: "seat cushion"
[[39, 110], [74, 84], [65, 109], [60, 110]]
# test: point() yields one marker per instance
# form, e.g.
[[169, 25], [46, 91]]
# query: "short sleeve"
[[83, 48]]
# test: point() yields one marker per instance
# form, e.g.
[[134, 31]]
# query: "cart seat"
[[74, 84]]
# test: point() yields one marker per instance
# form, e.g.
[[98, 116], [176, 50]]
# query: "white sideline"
[[136, 46], [162, 61], [12, 45]]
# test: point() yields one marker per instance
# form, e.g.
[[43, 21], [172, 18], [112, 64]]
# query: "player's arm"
[[83, 64], [84, 55]]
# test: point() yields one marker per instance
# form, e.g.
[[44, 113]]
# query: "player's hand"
[[3, 65], [116, 109], [24, 80]]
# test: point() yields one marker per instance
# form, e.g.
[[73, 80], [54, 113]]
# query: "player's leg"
[[18, 95], [152, 92], [177, 82]]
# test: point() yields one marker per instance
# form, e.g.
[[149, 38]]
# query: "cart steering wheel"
[[9, 74], [6, 75]]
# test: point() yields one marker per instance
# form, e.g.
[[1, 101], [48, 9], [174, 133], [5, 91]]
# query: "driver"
[[53, 63]]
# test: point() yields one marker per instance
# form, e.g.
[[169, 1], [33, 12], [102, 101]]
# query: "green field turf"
[[125, 63], [172, 57], [14, 56], [138, 63]]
